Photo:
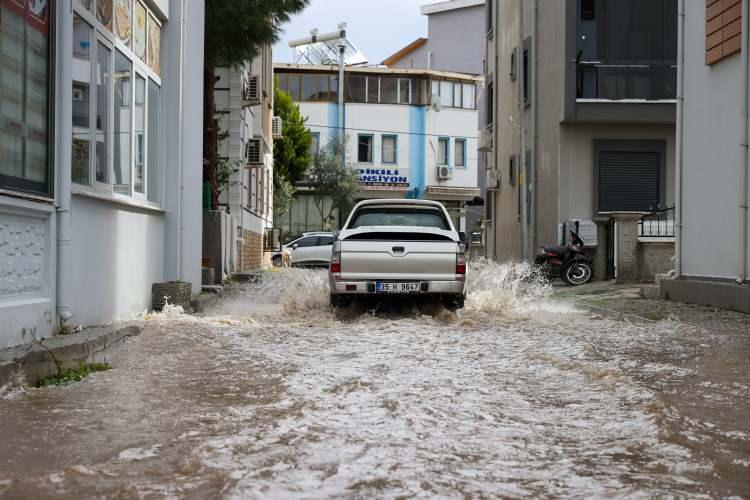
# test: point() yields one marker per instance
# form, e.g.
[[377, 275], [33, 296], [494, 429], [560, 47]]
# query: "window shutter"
[[723, 29], [628, 181]]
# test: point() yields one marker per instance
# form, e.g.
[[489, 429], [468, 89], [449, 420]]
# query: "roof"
[[320, 68], [449, 5], [400, 201], [394, 58]]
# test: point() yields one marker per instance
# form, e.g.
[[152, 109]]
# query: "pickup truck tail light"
[[336, 260], [461, 263]]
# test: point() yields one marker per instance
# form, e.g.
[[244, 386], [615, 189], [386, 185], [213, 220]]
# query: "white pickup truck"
[[402, 247]]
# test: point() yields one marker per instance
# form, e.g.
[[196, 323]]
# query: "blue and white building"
[[412, 133]]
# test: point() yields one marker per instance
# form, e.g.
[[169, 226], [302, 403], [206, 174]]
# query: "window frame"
[[383, 137], [463, 141], [447, 141], [314, 158], [372, 148], [101, 35]]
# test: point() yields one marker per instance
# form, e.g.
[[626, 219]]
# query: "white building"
[[401, 140], [100, 158], [244, 103]]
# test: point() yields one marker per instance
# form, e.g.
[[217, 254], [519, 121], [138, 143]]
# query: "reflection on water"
[[272, 394]]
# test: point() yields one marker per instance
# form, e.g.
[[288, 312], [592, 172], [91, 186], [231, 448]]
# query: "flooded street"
[[272, 394]]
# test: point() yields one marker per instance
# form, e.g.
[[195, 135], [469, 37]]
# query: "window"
[[446, 93], [81, 146], [103, 89], [324, 241], [293, 87], [404, 90], [513, 65], [139, 182], [356, 88], [512, 170], [364, 148], [153, 141], [310, 87], [526, 76], [469, 101], [443, 150], [373, 89], [460, 153], [388, 90], [457, 101], [123, 123], [314, 146], [389, 149], [490, 111], [116, 102], [308, 241], [24, 100], [391, 216]]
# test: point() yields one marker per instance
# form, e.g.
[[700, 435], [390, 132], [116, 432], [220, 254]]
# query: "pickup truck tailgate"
[[400, 260]]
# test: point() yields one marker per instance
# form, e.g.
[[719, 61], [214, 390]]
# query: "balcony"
[[613, 82]]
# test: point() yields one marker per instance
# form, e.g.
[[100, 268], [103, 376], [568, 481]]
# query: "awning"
[[452, 193]]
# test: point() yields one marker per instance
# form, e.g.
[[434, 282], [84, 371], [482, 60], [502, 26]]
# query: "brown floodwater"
[[271, 394]]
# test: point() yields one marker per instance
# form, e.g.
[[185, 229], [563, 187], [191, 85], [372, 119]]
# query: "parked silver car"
[[310, 249], [401, 247]]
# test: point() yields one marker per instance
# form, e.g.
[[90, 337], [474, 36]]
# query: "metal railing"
[[599, 80], [657, 224]]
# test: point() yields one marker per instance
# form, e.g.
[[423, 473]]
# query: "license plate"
[[381, 287]]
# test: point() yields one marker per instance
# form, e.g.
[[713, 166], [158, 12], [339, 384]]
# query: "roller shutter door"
[[628, 181]]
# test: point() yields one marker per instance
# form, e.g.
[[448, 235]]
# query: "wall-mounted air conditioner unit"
[[492, 180], [254, 152], [485, 139], [251, 92], [444, 173], [276, 127]]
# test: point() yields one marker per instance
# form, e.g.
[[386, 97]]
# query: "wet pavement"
[[272, 394]]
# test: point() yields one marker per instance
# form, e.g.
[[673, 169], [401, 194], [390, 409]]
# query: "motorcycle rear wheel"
[[577, 273]]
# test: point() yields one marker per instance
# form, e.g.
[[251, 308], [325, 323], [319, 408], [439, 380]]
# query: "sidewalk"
[[626, 302]]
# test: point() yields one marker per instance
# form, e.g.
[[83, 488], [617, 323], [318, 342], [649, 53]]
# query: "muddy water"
[[274, 395]]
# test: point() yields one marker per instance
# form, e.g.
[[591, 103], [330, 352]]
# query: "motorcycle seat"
[[556, 250]]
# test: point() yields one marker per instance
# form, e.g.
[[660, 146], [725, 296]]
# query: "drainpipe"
[[742, 274], [64, 152], [180, 152], [535, 125], [342, 127], [679, 138], [522, 169]]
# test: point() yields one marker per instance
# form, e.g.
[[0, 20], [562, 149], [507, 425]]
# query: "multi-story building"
[[599, 94], [244, 103], [100, 159], [411, 133], [713, 242], [442, 50]]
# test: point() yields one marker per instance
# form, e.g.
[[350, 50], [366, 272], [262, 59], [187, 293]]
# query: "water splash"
[[499, 288]]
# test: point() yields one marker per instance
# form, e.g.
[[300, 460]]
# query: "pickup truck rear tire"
[[341, 300], [454, 302]]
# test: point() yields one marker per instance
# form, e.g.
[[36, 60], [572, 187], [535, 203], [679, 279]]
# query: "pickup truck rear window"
[[399, 216]]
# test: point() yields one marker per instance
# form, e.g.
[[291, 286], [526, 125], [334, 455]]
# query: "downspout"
[[679, 138], [64, 154], [522, 168], [742, 275], [342, 125], [535, 130], [180, 151]]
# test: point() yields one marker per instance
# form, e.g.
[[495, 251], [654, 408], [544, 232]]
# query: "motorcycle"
[[570, 263]]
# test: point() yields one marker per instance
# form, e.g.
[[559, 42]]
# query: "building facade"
[[411, 133], [713, 256], [599, 99], [100, 167], [244, 103], [443, 51]]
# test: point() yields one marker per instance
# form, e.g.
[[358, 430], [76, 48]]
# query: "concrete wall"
[[655, 258], [711, 149], [117, 256]]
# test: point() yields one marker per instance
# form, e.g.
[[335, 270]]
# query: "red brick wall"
[[251, 251]]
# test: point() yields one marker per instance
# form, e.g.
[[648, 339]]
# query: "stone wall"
[[251, 251], [655, 258]]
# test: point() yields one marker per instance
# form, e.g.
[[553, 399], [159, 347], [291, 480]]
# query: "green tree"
[[291, 153], [235, 30], [332, 180]]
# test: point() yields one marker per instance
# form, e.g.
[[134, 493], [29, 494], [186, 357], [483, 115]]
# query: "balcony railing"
[[597, 80], [657, 224]]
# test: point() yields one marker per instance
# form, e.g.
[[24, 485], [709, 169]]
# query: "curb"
[[35, 361]]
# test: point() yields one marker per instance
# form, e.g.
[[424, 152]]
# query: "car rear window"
[[400, 216]]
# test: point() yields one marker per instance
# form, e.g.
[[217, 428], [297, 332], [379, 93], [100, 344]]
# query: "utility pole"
[[342, 125], [522, 166]]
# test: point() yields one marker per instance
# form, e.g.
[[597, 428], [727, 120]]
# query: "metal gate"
[[610, 265]]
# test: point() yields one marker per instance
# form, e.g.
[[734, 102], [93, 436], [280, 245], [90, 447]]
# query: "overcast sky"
[[377, 27]]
